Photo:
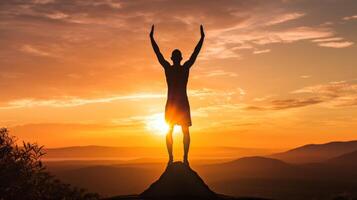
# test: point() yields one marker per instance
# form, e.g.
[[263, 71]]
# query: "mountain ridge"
[[310, 153], [345, 159]]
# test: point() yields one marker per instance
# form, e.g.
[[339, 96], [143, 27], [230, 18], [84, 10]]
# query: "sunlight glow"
[[156, 124]]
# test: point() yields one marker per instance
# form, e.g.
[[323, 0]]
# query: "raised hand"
[[202, 32], [194, 55], [152, 31], [159, 55]]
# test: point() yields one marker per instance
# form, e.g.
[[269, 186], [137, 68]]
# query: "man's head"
[[176, 56]]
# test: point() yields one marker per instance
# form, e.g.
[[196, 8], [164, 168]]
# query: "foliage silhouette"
[[23, 176]]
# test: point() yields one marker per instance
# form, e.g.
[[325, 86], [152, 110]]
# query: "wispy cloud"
[[331, 89], [57, 15], [130, 121], [352, 17], [333, 94], [214, 73], [284, 18], [336, 44], [35, 51], [332, 39], [75, 101], [69, 101], [305, 76], [282, 104], [261, 51], [293, 103], [296, 34], [264, 98], [89, 32], [219, 51], [226, 43], [42, 1]]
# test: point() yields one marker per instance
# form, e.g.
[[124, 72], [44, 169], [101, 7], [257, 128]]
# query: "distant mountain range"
[[147, 153], [348, 159], [316, 152], [325, 171], [305, 154]]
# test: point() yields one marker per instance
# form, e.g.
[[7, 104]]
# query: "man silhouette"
[[177, 110]]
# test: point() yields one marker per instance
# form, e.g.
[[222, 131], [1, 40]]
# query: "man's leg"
[[169, 142], [186, 143]]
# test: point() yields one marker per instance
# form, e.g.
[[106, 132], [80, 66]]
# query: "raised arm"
[[159, 55], [195, 53]]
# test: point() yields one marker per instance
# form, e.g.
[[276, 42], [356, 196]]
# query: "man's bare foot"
[[185, 162]]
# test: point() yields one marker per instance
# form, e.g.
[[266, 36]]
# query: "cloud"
[[101, 46], [261, 51], [69, 101], [332, 89], [216, 108], [226, 42], [35, 51], [333, 94], [353, 17], [343, 101], [293, 103], [285, 17], [221, 95], [328, 39], [263, 37], [296, 34], [336, 44], [215, 73], [75, 101], [131, 121], [305, 76], [42, 1], [219, 51], [282, 104], [233, 26], [57, 15], [264, 98]]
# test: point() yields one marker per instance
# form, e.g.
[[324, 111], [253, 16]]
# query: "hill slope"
[[248, 167], [111, 180], [316, 152], [348, 159]]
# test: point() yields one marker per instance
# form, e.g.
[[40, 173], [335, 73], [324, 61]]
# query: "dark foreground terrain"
[[331, 175], [219, 197], [179, 181]]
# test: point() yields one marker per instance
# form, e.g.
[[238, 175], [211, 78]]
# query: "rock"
[[179, 181]]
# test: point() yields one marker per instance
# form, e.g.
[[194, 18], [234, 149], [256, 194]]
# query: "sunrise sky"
[[271, 74]]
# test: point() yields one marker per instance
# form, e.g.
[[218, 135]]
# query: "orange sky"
[[271, 74]]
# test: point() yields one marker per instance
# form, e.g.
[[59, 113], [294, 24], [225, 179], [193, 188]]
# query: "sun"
[[156, 123]]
